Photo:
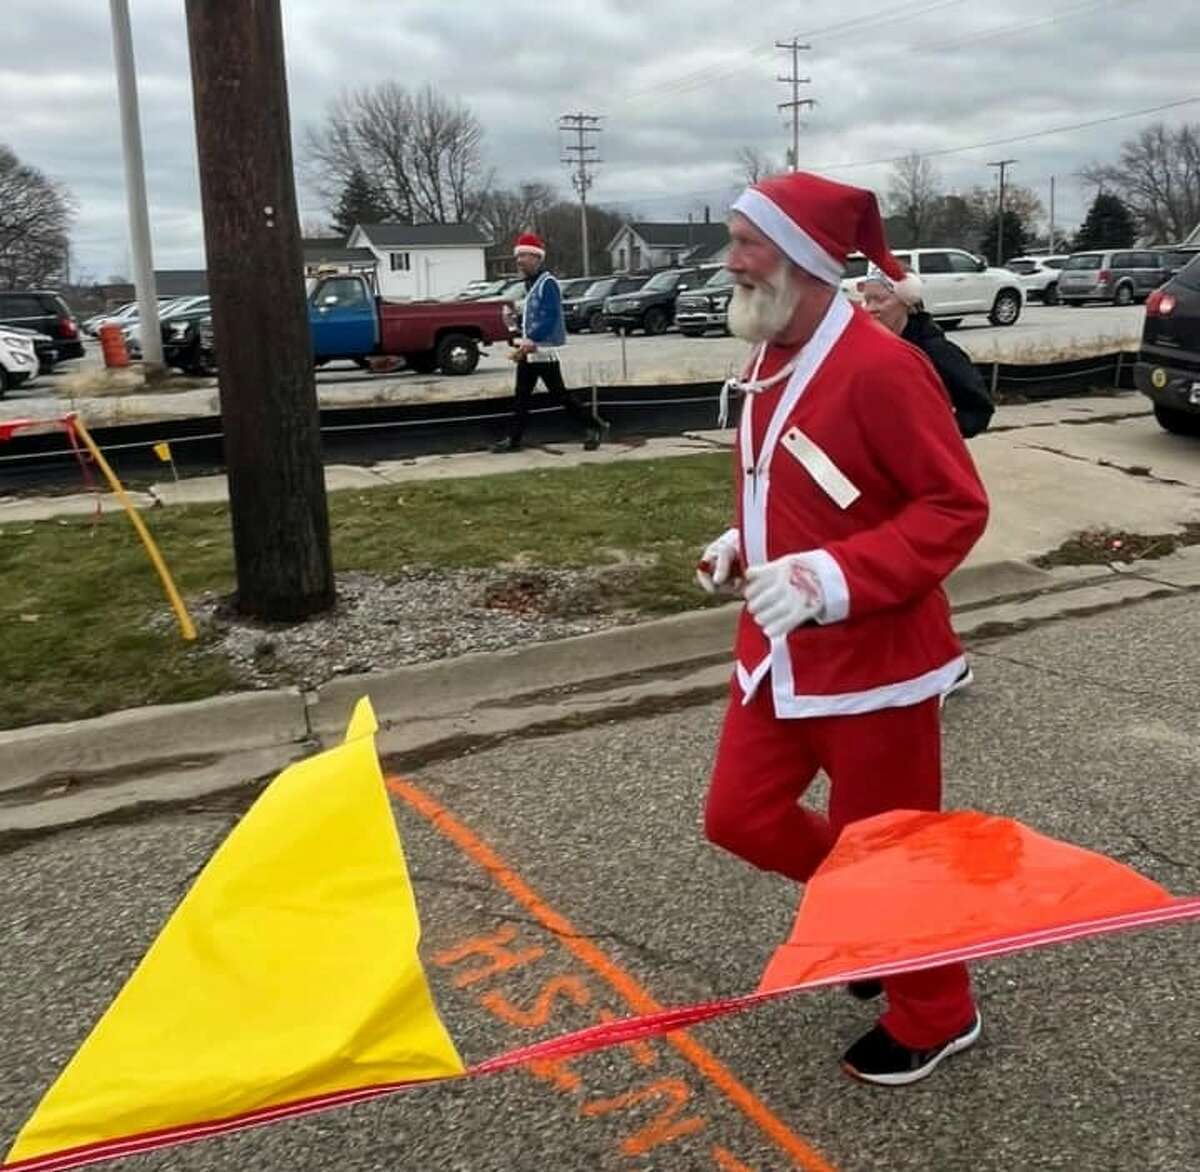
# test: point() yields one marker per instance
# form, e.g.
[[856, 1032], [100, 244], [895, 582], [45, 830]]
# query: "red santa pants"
[[878, 761]]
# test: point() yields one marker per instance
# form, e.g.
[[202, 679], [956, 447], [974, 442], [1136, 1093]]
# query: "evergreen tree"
[[1109, 224], [1016, 236], [359, 203]]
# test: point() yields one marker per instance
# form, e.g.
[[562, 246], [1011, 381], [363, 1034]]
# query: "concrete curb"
[[66, 774]]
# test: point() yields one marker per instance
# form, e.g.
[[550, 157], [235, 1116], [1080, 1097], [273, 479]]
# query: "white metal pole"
[[135, 191]]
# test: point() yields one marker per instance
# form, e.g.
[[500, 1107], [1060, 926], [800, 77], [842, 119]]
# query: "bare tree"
[[914, 194], [1158, 177], [421, 153], [504, 213], [35, 222], [1023, 202], [753, 165]]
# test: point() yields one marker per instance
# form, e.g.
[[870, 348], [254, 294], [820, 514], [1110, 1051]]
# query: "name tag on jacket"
[[833, 481]]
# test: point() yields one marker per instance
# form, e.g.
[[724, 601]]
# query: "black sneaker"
[[878, 1058], [865, 990], [592, 442], [508, 444]]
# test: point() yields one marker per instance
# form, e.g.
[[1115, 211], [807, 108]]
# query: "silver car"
[[1118, 276]]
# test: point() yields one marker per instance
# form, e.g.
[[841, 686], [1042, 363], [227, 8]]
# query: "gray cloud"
[[682, 84]]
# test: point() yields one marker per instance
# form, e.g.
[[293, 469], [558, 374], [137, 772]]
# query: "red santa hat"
[[817, 223], [529, 242]]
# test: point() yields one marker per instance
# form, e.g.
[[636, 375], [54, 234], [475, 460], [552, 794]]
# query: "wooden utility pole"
[[582, 156], [260, 317], [797, 103]]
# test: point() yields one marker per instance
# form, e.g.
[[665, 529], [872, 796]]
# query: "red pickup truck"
[[349, 320]]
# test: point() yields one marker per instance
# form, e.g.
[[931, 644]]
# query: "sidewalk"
[[1053, 469]]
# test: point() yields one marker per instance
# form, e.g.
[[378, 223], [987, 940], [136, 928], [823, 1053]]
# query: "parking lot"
[[1043, 334]]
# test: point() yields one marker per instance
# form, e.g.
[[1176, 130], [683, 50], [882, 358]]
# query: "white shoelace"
[[753, 385]]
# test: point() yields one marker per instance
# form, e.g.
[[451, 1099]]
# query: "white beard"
[[762, 312]]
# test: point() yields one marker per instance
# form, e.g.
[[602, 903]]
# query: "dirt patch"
[[1101, 547]]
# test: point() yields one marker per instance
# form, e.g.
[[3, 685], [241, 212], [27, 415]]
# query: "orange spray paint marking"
[[803, 1155]]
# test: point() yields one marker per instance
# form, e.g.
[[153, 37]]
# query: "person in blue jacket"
[[536, 352]]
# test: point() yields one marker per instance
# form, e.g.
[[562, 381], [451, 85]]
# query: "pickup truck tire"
[[1177, 422], [595, 322], [1006, 308], [656, 320], [457, 354], [423, 363]]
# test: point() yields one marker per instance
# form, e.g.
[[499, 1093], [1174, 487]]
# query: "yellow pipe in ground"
[[186, 626]]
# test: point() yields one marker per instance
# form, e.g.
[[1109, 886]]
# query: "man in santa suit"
[[855, 499]]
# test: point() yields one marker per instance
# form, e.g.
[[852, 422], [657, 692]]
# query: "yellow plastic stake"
[[186, 626]]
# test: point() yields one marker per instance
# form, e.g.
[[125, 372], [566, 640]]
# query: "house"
[[644, 245], [322, 253], [420, 261]]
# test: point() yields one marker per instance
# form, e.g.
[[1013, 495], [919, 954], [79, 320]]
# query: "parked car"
[[1177, 256], [652, 307], [586, 312], [44, 312], [1120, 276], [18, 358], [707, 308], [955, 283], [174, 319], [1168, 366], [349, 320], [1039, 276]]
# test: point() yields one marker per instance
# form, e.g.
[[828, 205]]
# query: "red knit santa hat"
[[817, 223], [529, 242]]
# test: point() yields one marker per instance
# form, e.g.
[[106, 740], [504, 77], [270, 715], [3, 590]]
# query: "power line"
[[582, 155], [685, 196], [697, 78], [795, 105], [1013, 138]]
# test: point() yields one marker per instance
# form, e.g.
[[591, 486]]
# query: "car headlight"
[[721, 302], [179, 330]]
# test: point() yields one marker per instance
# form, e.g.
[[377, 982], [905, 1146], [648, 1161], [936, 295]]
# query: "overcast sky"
[[682, 85]]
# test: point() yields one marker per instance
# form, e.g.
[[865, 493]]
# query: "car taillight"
[[1160, 304], [67, 328], [1104, 276]]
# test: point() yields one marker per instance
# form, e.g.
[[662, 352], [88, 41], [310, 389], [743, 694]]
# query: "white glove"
[[720, 564], [783, 595]]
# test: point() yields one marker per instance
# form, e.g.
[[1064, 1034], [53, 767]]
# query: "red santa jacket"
[[856, 463]]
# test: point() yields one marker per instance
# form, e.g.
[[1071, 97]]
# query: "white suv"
[[1039, 276], [18, 358], [955, 284]]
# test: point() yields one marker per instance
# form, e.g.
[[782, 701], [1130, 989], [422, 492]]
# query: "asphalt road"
[[1084, 729]]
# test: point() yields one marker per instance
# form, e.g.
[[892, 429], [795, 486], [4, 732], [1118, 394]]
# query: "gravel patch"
[[415, 617]]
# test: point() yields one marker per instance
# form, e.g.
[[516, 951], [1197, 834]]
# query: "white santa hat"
[[817, 223]]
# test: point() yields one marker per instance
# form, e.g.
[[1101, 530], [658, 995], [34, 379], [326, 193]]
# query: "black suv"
[[1168, 368], [706, 308], [652, 307], [587, 312], [46, 313]]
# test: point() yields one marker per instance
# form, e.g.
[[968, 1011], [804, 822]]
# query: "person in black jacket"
[[969, 396]]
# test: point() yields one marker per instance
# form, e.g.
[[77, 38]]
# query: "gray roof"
[[667, 234], [181, 282], [332, 250], [427, 235]]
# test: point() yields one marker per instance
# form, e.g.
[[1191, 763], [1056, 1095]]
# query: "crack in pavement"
[[1138, 471]]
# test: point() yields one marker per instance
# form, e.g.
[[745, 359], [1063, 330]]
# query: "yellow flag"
[[289, 972], [163, 452]]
